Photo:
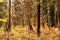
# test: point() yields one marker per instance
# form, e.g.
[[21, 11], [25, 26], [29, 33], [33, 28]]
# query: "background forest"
[[30, 20]]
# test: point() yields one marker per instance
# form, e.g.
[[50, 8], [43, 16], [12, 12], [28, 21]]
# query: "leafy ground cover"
[[20, 33]]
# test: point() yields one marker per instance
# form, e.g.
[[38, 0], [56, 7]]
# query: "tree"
[[9, 21], [48, 12], [52, 13], [58, 15], [55, 12], [38, 12]]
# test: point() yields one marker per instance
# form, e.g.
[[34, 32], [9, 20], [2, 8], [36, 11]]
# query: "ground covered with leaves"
[[50, 33], [20, 33]]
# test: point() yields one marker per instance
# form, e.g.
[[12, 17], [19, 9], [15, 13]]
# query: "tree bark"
[[38, 12], [55, 12], [48, 12], [9, 20]]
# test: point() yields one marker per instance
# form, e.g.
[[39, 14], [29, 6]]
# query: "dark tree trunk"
[[52, 15], [38, 11]]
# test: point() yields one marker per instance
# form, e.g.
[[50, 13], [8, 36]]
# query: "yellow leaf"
[[3, 20], [1, 0]]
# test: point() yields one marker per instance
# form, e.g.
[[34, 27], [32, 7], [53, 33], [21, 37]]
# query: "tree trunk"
[[41, 13], [59, 14], [48, 12], [55, 12], [38, 12], [9, 20], [52, 14]]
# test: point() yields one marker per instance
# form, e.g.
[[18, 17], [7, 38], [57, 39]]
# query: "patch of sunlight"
[[24, 35], [2, 30], [46, 25], [14, 32], [32, 35], [17, 34], [56, 29], [16, 27]]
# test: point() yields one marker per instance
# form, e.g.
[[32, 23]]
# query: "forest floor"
[[20, 33]]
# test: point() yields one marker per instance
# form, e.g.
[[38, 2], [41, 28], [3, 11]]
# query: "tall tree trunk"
[[38, 12], [55, 12], [41, 13], [48, 12], [52, 14], [59, 14], [9, 20]]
